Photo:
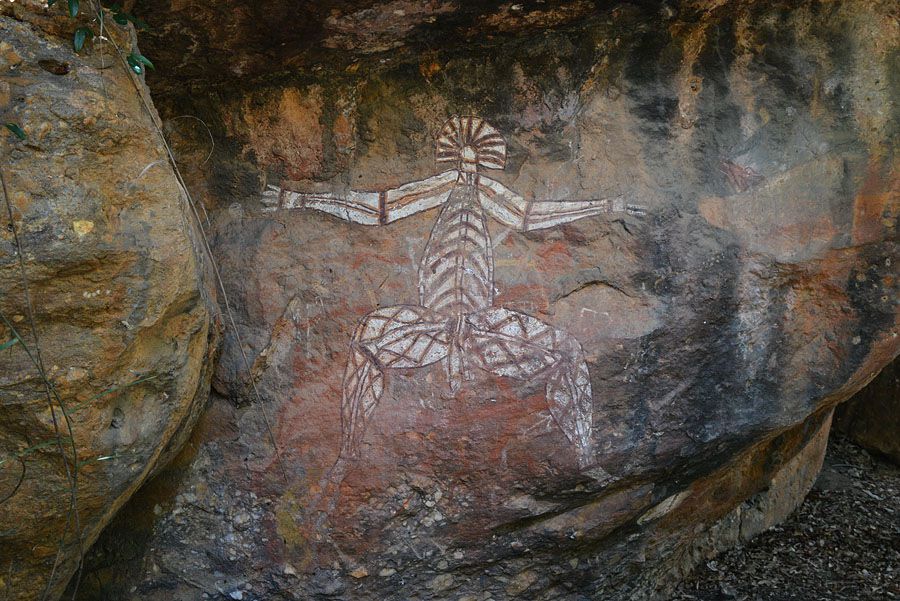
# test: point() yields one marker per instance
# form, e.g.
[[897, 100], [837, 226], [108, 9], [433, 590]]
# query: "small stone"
[[236, 595], [442, 564], [242, 520], [289, 570], [386, 572], [728, 590], [521, 582], [359, 573], [441, 582]]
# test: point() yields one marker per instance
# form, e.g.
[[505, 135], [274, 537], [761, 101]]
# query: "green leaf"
[[144, 60], [135, 64], [73, 8], [120, 18], [138, 61], [81, 34], [8, 344], [51, 2], [16, 130]]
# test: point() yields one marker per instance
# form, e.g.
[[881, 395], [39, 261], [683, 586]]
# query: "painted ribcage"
[[456, 273]]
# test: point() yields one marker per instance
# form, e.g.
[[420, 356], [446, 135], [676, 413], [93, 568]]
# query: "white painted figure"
[[455, 320]]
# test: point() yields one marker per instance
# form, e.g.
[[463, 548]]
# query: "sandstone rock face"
[[872, 417], [122, 319], [718, 329]]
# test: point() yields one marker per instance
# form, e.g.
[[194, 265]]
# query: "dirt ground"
[[843, 543]]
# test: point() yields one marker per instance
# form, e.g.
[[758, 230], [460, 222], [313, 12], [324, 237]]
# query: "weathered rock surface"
[[123, 321], [872, 417], [719, 330]]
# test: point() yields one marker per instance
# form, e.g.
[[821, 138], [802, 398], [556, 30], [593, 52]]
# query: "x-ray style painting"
[[455, 320]]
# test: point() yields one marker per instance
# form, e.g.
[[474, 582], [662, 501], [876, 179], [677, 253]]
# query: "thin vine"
[[71, 469]]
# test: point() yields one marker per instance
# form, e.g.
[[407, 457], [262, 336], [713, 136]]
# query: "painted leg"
[[362, 389], [456, 363], [398, 337], [509, 343]]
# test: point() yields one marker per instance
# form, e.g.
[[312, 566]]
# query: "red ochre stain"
[[555, 256], [528, 298], [363, 259], [870, 203]]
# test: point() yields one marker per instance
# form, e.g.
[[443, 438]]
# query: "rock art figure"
[[455, 319]]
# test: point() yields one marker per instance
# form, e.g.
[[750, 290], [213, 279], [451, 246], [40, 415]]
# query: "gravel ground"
[[843, 543]]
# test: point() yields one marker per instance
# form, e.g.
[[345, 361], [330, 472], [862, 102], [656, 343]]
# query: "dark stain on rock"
[[652, 63], [873, 301], [718, 124], [791, 70], [660, 110]]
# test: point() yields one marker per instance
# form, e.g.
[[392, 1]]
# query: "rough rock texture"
[[122, 319], [720, 329], [872, 417]]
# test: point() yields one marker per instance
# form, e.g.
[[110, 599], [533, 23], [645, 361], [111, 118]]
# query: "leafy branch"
[[86, 33]]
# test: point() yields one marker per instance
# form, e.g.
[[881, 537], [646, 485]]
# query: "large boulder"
[[113, 285], [719, 328]]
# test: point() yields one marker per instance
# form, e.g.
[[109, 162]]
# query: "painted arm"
[[511, 209], [368, 208]]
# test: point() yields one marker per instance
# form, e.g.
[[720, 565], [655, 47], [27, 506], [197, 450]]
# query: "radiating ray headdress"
[[471, 140]]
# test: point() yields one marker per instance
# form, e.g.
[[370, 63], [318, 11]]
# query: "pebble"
[[441, 582], [242, 520], [521, 582]]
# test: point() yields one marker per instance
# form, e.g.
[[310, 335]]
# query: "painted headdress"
[[471, 141]]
